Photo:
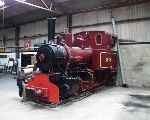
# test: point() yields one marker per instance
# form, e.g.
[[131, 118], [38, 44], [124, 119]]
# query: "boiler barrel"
[[51, 58], [80, 55]]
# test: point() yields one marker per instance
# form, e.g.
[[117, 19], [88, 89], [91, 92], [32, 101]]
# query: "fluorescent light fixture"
[[2, 3]]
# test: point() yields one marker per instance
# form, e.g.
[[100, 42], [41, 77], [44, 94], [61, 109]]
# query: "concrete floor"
[[108, 104]]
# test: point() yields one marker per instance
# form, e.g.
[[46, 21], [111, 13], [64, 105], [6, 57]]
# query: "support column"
[[121, 73], [17, 36], [69, 23], [4, 41]]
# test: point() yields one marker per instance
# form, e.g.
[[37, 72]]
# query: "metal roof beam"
[[44, 4], [33, 5]]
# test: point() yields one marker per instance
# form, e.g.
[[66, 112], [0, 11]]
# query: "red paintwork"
[[88, 39], [79, 55], [40, 81], [83, 48], [88, 49], [69, 39], [103, 59]]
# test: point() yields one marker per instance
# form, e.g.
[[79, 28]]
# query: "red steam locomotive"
[[73, 66]]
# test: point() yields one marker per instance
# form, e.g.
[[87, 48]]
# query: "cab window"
[[98, 39]]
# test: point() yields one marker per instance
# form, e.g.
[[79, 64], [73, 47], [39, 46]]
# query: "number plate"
[[106, 60]]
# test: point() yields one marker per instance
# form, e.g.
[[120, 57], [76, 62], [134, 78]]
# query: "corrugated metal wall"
[[121, 14], [34, 29], [30, 30], [136, 58], [136, 64], [132, 12], [61, 23], [96, 17], [106, 28], [9, 35], [91, 18], [138, 30], [40, 28]]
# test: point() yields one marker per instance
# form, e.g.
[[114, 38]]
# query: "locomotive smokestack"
[[51, 29]]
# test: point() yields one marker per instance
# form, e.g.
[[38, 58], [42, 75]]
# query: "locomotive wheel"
[[111, 80]]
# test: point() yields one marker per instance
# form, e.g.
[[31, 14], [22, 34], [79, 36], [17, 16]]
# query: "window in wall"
[[3, 56], [99, 39]]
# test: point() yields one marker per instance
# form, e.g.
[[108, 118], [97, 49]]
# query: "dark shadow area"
[[136, 105], [139, 66], [137, 102], [34, 105], [141, 97]]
